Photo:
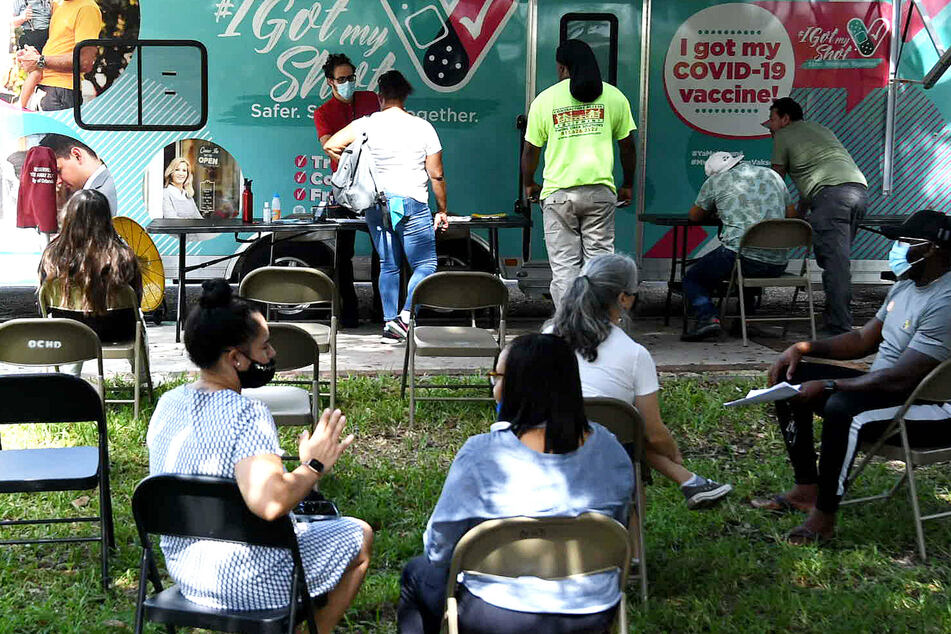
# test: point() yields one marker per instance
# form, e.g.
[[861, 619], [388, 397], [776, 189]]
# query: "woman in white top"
[[178, 200], [614, 365], [406, 155]]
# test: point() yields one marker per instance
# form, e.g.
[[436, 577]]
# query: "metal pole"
[[888, 160], [642, 128]]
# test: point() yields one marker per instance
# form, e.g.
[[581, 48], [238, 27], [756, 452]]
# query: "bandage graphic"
[[867, 39], [447, 41]]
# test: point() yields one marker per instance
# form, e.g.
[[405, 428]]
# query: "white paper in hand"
[[779, 392]]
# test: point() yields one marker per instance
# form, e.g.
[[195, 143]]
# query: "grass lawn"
[[725, 570]]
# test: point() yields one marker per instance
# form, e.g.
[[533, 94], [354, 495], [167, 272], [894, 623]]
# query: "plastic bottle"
[[267, 214], [276, 207], [247, 202]]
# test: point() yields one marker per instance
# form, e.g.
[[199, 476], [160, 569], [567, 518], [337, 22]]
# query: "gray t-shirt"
[[916, 318], [41, 13]]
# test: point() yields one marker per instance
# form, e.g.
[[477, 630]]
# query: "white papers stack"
[[779, 392]]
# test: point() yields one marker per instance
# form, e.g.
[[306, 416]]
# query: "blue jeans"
[[414, 236], [702, 278]]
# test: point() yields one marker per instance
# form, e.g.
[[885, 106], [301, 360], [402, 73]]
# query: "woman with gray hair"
[[612, 364]]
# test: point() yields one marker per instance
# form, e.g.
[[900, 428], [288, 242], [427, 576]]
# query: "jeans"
[[415, 237], [848, 420], [702, 278], [835, 215], [57, 98], [579, 224], [423, 598]]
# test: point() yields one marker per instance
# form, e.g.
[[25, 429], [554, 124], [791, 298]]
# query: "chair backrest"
[[116, 326], [621, 418], [50, 398], [289, 285], [936, 386], [548, 548], [48, 342], [461, 290], [295, 347], [204, 507], [778, 233]]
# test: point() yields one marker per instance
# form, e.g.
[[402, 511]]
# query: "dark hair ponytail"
[[220, 321], [583, 70]]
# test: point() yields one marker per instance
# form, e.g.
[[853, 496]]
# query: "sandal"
[[779, 503], [803, 535]]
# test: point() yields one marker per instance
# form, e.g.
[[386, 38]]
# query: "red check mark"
[[300, 177], [300, 194], [300, 161]]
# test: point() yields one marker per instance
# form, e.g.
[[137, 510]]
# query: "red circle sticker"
[[300, 177], [300, 194], [300, 161]]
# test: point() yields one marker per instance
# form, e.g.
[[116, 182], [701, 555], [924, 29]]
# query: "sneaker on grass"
[[705, 493]]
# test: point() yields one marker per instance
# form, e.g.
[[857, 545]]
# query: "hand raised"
[[325, 444]]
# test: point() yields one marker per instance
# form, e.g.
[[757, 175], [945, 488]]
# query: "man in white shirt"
[[78, 167]]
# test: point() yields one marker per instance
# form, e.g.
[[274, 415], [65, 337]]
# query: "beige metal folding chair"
[[291, 406], [626, 423], [50, 342], [132, 344], [548, 548], [298, 287], [456, 290], [778, 233], [893, 445]]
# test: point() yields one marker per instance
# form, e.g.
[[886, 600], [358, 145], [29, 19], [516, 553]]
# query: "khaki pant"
[[579, 224]]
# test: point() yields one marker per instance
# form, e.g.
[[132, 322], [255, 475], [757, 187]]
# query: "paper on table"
[[778, 392]]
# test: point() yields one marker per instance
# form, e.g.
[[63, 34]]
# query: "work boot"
[[703, 329]]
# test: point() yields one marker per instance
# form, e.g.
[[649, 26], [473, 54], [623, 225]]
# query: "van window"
[[600, 32], [164, 87]]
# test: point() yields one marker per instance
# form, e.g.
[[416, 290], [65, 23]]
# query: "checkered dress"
[[207, 433]]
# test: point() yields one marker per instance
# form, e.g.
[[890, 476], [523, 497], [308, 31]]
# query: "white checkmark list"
[[475, 26]]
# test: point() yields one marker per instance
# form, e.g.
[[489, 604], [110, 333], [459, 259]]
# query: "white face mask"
[[346, 90]]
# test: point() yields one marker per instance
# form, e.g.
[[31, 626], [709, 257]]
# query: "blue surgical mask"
[[898, 258], [346, 90]]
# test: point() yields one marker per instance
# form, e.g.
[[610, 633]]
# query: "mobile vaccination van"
[[230, 87]]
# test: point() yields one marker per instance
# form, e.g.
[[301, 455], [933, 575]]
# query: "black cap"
[[926, 224]]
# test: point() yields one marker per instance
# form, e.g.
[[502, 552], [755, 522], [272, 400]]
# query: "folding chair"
[[50, 342], [456, 290], [289, 405], [893, 445], [206, 507], [548, 548], [778, 233], [299, 288], [625, 422], [57, 398], [121, 332]]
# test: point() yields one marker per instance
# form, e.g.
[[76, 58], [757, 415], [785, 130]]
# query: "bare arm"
[[269, 491], [698, 214], [335, 145], [628, 152], [850, 345], [911, 367], [438, 180], [28, 57], [656, 434], [530, 157]]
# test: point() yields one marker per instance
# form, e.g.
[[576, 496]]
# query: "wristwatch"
[[41, 62], [316, 466], [831, 387]]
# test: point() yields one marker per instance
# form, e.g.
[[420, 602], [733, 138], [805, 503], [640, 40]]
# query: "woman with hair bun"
[[210, 428], [612, 364]]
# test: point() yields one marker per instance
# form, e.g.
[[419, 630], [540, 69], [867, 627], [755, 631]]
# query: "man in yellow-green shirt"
[[578, 120], [72, 22]]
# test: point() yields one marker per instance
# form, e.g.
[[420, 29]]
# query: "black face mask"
[[257, 374]]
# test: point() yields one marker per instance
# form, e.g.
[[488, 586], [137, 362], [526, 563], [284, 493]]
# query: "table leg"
[[673, 275], [494, 249], [179, 317]]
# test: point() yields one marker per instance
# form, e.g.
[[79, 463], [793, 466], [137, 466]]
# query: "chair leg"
[[405, 369], [812, 315], [916, 510], [333, 373], [136, 383], [411, 357], [741, 288]]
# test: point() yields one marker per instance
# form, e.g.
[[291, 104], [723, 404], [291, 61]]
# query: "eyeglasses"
[[495, 377], [343, 80]]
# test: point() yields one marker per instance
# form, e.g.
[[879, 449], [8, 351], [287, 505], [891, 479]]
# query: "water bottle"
[[247, 202], [276, 207], [267, 214]]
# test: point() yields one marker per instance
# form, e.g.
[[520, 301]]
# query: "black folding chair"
[[57, 398], [206, 507]]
